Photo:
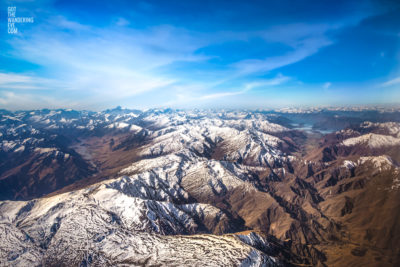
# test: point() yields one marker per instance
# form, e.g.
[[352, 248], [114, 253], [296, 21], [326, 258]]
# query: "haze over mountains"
[[200, 187]]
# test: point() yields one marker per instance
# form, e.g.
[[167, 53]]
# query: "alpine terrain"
[[162, 187]]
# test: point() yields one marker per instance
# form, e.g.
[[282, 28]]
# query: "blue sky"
[[183, 54]]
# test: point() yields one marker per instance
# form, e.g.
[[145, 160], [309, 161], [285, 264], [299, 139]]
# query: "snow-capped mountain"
[[198, 187]]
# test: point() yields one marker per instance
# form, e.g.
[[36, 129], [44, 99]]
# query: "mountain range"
[[121, 187]]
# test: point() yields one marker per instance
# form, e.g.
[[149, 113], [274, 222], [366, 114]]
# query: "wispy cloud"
[[190, 95], [12, 81], [22, 100], [304, 39], [118, 60], [326, 85], [95, 63], [391, 82], [63, 23], [219, 95], [88, 59], [122, 22]]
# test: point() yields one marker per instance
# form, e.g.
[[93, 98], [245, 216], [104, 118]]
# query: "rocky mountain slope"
[[169, 187]]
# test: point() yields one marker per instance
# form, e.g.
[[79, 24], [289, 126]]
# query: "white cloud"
[[89, 60], [25, 82], [391, 82], [188, 96], [95, 63], [305, 49], [327, 85], [22, 100], [219, 95], [122, 22], [62, 22], [304, 39]]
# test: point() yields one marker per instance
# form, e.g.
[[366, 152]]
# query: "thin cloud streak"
[[306, 49], [327, 85], [391, 82], [25, 82], [187, 98]]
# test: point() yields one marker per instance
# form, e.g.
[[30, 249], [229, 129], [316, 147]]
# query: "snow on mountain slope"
[[383, 163], [168, 187], [376, 165], [253, 145], [238, 137], [373, 140], [140, 216], [172, 177], [390, 128], [111, 225], [379, 162]]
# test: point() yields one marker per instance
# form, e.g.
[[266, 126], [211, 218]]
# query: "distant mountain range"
[[293, 187]]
